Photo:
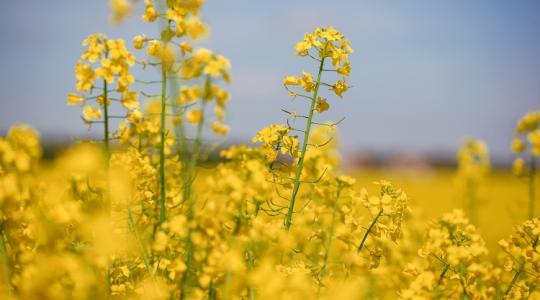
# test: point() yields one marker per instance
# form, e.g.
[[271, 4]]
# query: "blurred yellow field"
[[502, 197]]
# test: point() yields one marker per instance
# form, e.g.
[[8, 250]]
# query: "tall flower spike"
[[473, 165], [321, 45], [107, 62], [527, 139]]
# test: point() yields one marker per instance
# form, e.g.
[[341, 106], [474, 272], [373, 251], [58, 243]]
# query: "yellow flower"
[[340, 87], [150, 14], [290, 145], [518, 146], [220, 128], [302, 48], [74, 99], [134, 116], [154, 48], [129, 100], [306, 82], [194, 116], [189, 94], [219, 112], [216, 66], [528, 122], [185, 47], [121, 9], [322, 105], [345, 69], [101, 100], [85, 76], [291, 80], [105, 71], [327, 42], [195, 28], [270, 135], [534, 139], [519, 166], [138, 41], [91, 113], [96, 46]]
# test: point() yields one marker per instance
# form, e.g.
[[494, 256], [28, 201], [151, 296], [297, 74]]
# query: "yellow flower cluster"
[[452, 266], [206, 63], [473, 166], [113, 62], [388, 208], [473, 159], [274, 139], [212, 67], [327, 43], [528, 128], [274, 220], [522, 259], [182, 14], [121, 9]]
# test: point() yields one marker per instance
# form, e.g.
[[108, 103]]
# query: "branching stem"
[[299, 168], [368, 231], [163, 196]]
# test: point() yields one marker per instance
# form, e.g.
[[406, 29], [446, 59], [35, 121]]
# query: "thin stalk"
[[106, 120], [532, 186], [188, 182], [441, 277], [212, 293], [133, 229], [463, 286], [361, 246], [5, 262], [188, 275], [106, 114], [519, 270], [516, 276], [195, 154], [163, 196], [439, 282], [299, 168], [330, 235]]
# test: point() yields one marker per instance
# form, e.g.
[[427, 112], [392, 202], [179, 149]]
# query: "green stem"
[[441, 277], [299, 168], [532, 186], [133, 229], [187, 279], [520, 270], [106, 119], [188, 182], [463, 286], [361, 246], [163, 196], [330, 235], [212, 293], [437, 290], [516, 276], [195, 154]]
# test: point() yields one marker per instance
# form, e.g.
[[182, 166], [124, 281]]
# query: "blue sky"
[[425, 73]]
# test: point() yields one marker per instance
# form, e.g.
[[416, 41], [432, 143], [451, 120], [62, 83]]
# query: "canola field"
[[502, 197], [138, 214]]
